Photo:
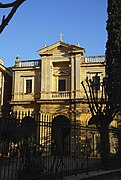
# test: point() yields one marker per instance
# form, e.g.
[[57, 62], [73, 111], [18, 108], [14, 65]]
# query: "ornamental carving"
[[62, 72]]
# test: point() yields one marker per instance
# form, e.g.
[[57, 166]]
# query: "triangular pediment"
[[60, 47]]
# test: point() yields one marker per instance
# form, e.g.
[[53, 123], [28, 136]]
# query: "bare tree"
[[103, 110], [14, 6]]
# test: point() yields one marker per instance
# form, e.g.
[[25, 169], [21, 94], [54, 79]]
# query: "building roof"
[[47, 50]]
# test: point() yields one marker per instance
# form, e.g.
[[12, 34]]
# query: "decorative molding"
[[61, 72], [26, 75]]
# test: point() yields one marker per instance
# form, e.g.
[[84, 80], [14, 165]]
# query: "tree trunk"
[[105, 144]]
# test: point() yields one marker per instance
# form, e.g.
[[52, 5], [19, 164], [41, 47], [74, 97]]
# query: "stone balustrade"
[[28, 63], [61, 94], [94, 59]]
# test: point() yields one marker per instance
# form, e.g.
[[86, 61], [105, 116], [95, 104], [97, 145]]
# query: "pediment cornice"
[[62, 47]]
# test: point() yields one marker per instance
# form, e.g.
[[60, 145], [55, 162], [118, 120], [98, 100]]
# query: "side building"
[[5, 89], [51, 86]]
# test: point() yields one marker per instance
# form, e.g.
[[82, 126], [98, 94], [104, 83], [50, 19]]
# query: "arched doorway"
[[61, 135]]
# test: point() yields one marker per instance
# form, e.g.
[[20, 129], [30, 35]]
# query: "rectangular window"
[[62, 85], [96, 82], [29, 86]]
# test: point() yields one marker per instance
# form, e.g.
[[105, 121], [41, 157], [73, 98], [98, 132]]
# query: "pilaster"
[[46, 78], [43, 73], [75, 76]]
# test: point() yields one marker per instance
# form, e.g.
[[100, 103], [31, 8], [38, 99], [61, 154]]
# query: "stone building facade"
[[51, 86], [5, 89]]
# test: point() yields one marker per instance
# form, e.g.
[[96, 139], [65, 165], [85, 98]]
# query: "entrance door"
[[61, 135]]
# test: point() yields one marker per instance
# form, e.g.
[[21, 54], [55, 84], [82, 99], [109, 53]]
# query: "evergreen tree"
[[104, 109], [113, 47]]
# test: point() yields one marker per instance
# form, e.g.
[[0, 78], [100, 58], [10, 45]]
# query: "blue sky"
[[39, 22]]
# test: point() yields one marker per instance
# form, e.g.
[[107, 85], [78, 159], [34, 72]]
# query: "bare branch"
[[91, 108], [102, 97], [92, 97], [14, 6], [7, 5]]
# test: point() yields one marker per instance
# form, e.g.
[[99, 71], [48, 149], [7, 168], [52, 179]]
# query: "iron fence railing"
[[34, 148]]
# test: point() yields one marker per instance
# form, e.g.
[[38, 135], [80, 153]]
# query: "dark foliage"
[[113, 47], [14, 131]]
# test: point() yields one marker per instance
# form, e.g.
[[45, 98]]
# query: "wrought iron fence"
[[35, 148]]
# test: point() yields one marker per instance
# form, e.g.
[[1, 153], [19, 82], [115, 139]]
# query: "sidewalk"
[[101, 175]]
